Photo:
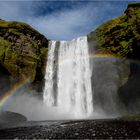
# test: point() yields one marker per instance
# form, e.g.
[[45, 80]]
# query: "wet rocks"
[[86, 129]]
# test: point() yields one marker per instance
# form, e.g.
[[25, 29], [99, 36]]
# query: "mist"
[[36, 110], [33, 108]]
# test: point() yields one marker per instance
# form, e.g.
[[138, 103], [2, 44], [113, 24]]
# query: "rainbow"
[[99, 56], [95, 56], [21, 83], [13, 90], [111, 56]]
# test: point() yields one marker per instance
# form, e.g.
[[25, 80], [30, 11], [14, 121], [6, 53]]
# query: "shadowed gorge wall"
[[119, 38], [107, 77], [130, 92], [4, 79]]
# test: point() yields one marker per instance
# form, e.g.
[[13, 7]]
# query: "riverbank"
[[82, 129]]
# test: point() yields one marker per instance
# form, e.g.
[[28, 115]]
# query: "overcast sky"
[[62, 20]]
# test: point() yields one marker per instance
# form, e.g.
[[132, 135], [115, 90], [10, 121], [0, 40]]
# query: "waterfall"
[[68, 77]]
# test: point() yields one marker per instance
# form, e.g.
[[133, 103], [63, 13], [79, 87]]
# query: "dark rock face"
[[23, 52], [11, 117], [4, 79], [108, 76], [129, 93]]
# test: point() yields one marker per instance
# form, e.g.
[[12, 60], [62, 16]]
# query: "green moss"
[[119, 36], [12, 24], [3, 23], [31, 55], [3, 45], [125, 44], [17, 24], [132, 117], [108, 25], [14, 32], [22, 50], [4, 42]]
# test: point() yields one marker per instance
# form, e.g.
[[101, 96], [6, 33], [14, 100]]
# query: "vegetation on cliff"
[[120, 36], [22, 50]]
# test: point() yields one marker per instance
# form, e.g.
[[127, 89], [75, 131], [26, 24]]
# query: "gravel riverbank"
[[82, 129]]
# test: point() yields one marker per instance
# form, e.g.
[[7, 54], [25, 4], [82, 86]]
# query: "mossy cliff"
[[22, 51], [120, 36]]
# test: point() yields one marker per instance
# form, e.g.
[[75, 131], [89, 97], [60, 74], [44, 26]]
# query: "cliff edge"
[[120, 36]]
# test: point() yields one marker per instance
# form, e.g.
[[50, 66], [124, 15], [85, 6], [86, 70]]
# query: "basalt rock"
[[23, 52]]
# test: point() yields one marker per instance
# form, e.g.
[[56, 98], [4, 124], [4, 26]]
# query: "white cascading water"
[[68, 77]]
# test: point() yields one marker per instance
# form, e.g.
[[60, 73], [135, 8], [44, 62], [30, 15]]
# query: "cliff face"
[[22, 51], [117, 77], [121, 36]]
